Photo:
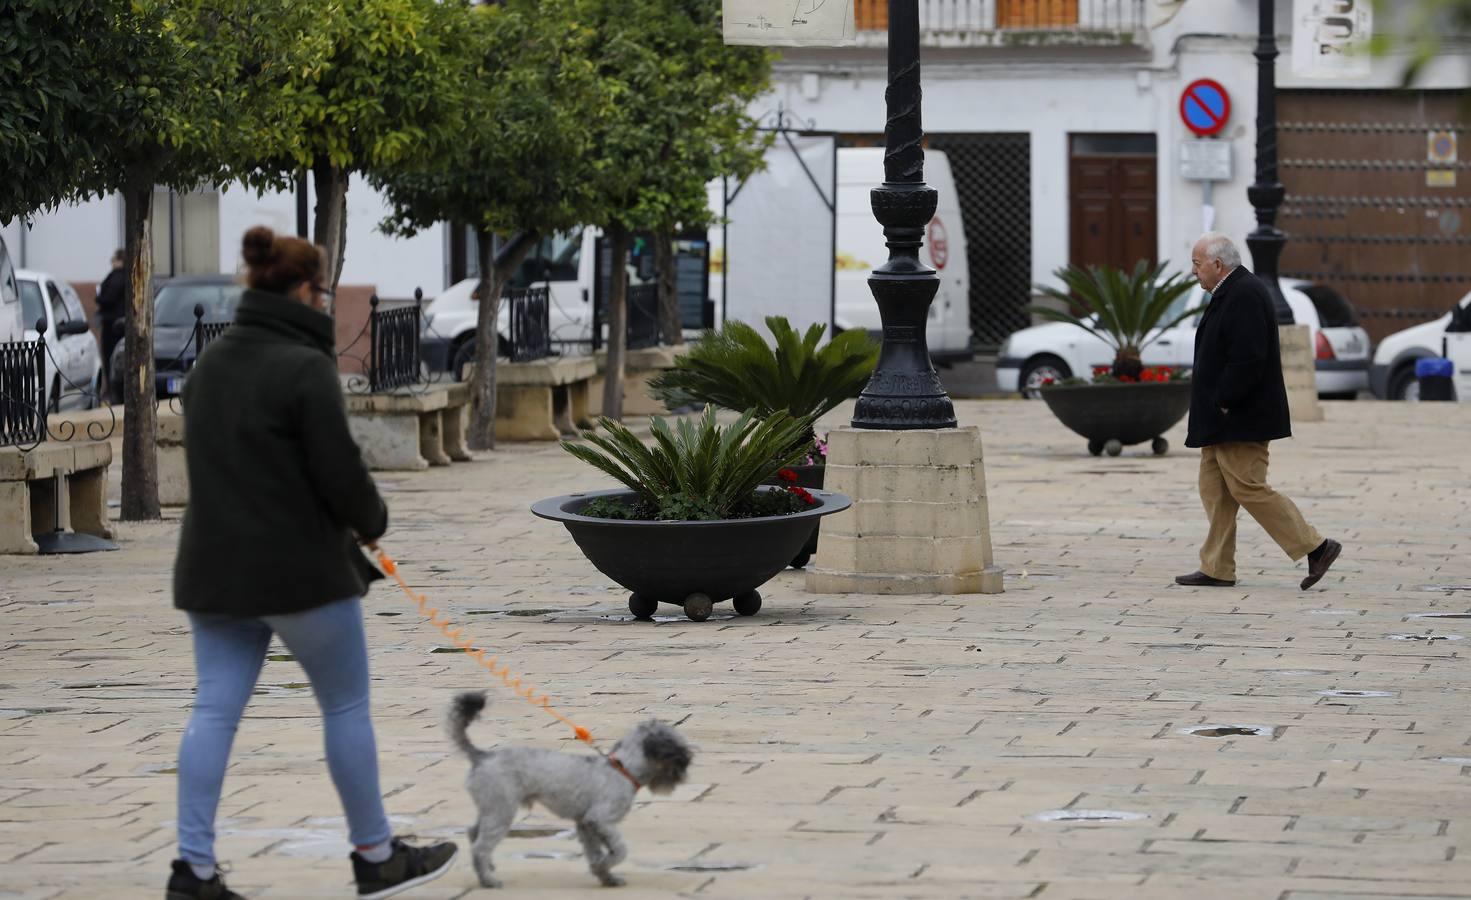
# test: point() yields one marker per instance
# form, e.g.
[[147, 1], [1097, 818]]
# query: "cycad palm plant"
[[1122, 308], [696, 470], [737, 369]]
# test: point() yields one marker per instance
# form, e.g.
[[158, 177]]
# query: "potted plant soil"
[[737, 369], [694, 523], [1125, 403]]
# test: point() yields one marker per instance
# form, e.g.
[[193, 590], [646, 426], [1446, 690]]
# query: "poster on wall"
[[1330, 38], [789, 23]]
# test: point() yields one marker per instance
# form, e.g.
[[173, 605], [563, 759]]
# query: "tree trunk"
[[617, 325], [329, 226], [671, 324], [140, 398], [494, 273]]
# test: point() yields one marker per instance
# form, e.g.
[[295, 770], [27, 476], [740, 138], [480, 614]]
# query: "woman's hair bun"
[[256, 246]]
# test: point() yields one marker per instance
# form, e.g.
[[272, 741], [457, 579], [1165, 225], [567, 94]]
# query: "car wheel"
[[464, 354], [1038, 371], [1403, 385]]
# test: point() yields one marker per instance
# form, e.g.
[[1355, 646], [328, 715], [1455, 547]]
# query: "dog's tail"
[[462, 712]]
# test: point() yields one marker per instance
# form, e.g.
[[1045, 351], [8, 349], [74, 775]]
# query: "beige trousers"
[[1234, 475]]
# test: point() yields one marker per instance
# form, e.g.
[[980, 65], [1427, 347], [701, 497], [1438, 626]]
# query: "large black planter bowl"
[[690, 564], [809, 477], [1113, 416]]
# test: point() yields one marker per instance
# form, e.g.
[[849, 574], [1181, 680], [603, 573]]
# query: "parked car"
[[12, 325], [1058, 351], [1392, 375], [174, 348], [73, 360]]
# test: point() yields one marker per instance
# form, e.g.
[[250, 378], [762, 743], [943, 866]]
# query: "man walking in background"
[[112, 308], [1238, 403]]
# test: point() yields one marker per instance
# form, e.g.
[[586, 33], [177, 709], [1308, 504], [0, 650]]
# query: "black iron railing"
[[531, 325], [393, 341], [23, 392]]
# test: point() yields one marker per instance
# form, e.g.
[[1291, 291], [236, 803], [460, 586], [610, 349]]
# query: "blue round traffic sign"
[[1205, 106]]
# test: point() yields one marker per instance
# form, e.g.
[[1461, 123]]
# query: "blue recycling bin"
[[1435, 376]]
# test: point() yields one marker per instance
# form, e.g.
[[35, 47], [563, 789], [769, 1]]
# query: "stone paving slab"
[[849, 746]]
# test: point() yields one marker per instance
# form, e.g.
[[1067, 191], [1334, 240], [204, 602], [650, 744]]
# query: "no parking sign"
[[1205, 107]]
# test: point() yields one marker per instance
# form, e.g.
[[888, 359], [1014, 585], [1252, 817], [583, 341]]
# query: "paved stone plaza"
[[1031, 744]]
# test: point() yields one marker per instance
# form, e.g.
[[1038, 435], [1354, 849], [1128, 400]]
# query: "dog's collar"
[[623, 770]]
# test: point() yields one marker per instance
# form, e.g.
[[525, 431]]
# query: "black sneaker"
[[185, 885], [408, 867]]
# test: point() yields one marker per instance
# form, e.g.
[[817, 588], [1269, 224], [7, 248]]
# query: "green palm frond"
[[1128, 305], [700, 459], [735, 368]]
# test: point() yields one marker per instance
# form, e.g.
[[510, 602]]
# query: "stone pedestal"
[[919, 523], [173, 468], [1299, 372], [28, 492]]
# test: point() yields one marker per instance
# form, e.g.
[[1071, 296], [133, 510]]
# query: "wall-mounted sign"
[[1205, 107], [1330, 38], [1440, 151], [1205, 160], [789, 23]]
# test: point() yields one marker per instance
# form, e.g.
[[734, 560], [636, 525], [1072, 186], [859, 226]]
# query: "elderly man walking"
[[1238, 403]]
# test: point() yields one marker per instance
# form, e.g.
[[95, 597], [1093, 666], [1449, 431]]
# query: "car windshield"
[[32, 306], [174, 305]]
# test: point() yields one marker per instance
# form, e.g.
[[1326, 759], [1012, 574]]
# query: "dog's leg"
[[609, 837], [592, 849], [484, 836]]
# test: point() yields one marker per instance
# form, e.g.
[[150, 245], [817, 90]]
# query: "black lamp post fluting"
[[904, 392], [1266, 194]]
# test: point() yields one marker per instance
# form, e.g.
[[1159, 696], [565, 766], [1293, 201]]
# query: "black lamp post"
[[1266, 194], [904, 392]]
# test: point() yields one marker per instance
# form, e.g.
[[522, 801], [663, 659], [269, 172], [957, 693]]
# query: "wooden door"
[[1114, 209], [1036, 13]]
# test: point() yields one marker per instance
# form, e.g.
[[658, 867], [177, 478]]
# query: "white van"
[[565, 264], [12, 328], [861, 249]]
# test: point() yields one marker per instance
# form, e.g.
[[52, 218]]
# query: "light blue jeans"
[[330, 644]]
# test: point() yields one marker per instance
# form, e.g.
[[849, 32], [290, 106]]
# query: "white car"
[[1058, 350], [1392, 375], [73, 359]]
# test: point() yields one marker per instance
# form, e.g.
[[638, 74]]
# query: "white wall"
[[74, 243], [395, 265]]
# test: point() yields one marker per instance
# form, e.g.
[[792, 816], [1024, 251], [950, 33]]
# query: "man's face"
[[1207, 270]]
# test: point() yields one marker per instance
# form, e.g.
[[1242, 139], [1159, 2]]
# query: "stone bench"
[[542, 400], [28, 492], [639, 368], [411, 428]]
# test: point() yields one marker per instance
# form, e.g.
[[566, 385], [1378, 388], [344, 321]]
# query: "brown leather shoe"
[[1316, 570], [1200, 579]]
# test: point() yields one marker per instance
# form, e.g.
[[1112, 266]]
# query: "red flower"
[[1128, 379], [787, 475], [1047, 381], [805, 494]]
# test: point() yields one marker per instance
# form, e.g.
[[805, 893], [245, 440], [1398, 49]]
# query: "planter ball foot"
[[1160, 446], [1113, 447], [642, 607], [1095, 448], [801, 560], [698, 607], [749, 603]]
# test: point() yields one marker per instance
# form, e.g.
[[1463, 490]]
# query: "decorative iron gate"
[[993, 175], [1378, 202]]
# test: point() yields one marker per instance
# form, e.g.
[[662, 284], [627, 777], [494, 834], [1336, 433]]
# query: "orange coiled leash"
[[457, 638]]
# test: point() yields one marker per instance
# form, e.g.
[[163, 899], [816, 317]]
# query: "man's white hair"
[[1215, 245]]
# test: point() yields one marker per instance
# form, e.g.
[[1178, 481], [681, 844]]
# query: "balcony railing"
[[961, 23]]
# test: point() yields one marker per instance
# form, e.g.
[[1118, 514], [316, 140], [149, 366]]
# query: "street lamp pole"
[[904, 392], [1266, 195]]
